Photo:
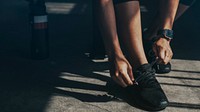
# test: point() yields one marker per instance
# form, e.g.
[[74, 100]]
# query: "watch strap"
[[166, 33]]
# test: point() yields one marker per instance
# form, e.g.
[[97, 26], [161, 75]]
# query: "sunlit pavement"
[[181, 87], [71, 82]]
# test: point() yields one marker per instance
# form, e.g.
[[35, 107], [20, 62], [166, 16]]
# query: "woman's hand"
[[163, 50], [121, 71]]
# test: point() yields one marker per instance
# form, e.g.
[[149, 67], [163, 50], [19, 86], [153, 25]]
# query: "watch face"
[[169, 34], [166, 33]]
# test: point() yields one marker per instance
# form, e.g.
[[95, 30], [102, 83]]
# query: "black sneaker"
[[160, 68], [147, 89]]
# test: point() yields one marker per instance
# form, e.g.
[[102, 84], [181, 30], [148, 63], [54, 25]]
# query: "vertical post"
[[39, 30]]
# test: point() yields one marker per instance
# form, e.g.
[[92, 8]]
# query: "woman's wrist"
[[113, 55]]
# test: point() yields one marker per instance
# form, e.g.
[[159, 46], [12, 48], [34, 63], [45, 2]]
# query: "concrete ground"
[[71, 82]]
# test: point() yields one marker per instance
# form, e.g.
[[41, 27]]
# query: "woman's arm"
[[121, 70]]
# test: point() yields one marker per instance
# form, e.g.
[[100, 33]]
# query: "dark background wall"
[[15, 31]]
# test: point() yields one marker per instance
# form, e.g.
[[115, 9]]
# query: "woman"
[[133, 71]]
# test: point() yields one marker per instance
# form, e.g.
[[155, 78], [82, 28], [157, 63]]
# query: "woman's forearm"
[[167, 12]]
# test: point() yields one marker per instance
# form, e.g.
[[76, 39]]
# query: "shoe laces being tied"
[[145, 76]]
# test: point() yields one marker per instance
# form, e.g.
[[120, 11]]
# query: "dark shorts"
[[122, 1], [184, 2]]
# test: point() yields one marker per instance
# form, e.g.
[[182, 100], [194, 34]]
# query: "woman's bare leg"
[[129, 29]]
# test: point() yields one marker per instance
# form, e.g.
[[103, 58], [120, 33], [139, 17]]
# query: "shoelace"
[[147, 78], [154, 62]]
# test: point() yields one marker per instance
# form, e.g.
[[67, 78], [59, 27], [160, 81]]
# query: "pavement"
[[69, 81]]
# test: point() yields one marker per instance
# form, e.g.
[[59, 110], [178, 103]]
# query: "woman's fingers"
[[126, 78], [130, 73], [123, 78], [119, 81]]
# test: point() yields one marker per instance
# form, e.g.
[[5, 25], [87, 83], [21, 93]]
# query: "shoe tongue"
[[144, 67]]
